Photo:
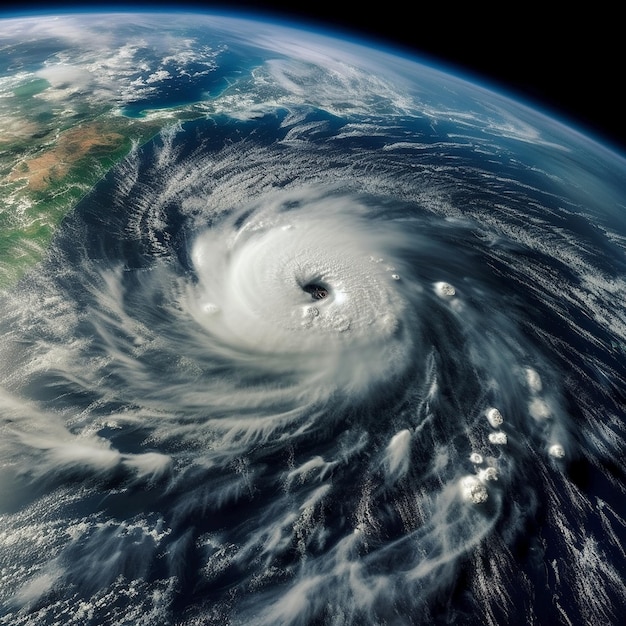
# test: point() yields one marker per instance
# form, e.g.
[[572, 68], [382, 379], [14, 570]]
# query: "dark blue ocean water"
[[282, 493], [195, 84]]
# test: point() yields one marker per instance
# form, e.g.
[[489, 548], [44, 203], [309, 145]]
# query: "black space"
[[566, 61]]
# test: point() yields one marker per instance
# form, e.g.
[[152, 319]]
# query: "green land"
[[51, 154]]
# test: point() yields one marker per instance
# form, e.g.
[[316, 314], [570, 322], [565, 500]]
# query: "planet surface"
[[296, 330]]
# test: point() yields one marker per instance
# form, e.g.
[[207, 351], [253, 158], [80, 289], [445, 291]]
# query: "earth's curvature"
[[298, 331]]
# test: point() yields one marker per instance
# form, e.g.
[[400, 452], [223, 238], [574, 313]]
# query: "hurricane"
[[300, 365]]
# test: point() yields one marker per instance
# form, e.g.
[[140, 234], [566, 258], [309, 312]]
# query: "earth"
[[296, 330]]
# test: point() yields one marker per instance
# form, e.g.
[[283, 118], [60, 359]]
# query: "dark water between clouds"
[[198, 439]]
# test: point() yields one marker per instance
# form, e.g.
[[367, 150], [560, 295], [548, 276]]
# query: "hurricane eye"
[[318, 292]]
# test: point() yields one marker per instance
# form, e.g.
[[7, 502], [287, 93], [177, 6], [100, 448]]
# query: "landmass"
[[50, 157]]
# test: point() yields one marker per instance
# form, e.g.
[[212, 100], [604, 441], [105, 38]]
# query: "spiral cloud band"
[[344, 347], [304, 289], [309, 356]]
